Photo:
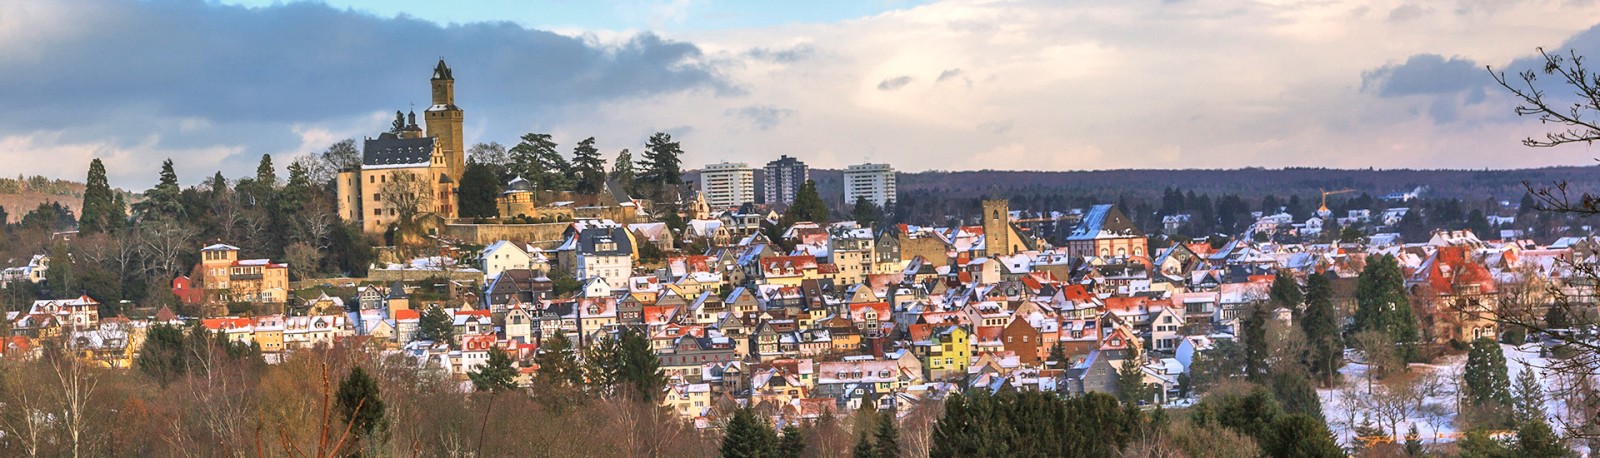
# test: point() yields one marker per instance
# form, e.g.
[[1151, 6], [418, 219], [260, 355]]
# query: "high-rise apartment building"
[[875, 182], [782, 179], [728, 185]]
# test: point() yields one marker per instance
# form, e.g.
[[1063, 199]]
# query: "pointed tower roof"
[[442, 71]]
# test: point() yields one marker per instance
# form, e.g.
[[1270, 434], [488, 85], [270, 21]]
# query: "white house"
[[502, 256]]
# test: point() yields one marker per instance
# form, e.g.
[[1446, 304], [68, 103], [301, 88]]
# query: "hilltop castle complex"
[[419, 169]]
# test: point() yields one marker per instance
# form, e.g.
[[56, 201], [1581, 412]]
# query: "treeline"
[[656, 174], [40, 184]]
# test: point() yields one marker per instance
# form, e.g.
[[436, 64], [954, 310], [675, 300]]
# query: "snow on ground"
[[1345, 406]]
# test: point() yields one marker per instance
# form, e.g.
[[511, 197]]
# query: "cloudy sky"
[[944, 85]]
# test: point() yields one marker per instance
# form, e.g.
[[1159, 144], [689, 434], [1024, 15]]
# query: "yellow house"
[[945, 351], [689, 400], [226, 278]]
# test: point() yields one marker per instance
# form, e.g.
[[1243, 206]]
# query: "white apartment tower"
[[728, 185], [875, 182], [782, 179]]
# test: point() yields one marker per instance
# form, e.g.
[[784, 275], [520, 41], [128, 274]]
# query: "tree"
[[1130, 382], [1381, 301], [1301, 435], [1484, 377], [266, 174], [360, 405], [100, 213], [887, 437], [559, 377], [746, 436], [588, 168], [1321, 326], [1477, 444], [479, 188], [865, 212], [1255, 341], [499, 373], [435, 325], [639, 369], [601, 367], [1528, 397], [1413, 441], [491, 154], [342, 156], [408, 194], [1286, 292], [660, 164], [399, 123], [790, 443], [864, 448], [807, 206], [1535, 439], [622, 170], [162, 201], [535, 159]]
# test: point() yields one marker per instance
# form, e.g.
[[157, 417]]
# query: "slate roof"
[[390, 149]]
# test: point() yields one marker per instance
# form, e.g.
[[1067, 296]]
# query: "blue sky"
[[661, 16], [928, 85]]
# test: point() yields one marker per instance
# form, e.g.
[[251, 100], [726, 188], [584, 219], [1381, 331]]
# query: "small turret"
[[411, 130], [442, 71]]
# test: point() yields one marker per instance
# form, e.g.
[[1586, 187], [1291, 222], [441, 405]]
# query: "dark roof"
[[390, 149], [589, 238], [397, 290], [442, 71], [1100, 218]]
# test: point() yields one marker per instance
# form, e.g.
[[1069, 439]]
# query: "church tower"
[[997, 228], [444, 120]]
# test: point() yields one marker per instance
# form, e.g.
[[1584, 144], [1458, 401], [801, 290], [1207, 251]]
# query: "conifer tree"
[[1535, 439], [588, 168], [865, 212], [887, 436], [1130, 382], [535, 159], [98, 213], [499, 373], [479, 188], [1285, 291], [748, 437], [1321, 326], [1484, 377], [864, 448], [360, 406], [1300, 435], [601, 366], [639, 368], [790, 443], [661, 163], [266, 174], [399, 123], [1529, 397], [1413, 441], [807, 206], [1255, 342], [559, 377], [622, 170], [435, 325], [1382, 303], [164, 200]]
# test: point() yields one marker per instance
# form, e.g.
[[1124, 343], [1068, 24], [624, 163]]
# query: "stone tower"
[[444, 120], [997, 228]]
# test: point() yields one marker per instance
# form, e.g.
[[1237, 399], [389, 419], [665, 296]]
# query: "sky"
[[921, 85]]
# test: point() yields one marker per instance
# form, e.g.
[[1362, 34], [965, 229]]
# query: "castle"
[[412, 172]]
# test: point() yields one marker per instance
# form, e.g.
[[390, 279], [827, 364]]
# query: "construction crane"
[[1323, 210]]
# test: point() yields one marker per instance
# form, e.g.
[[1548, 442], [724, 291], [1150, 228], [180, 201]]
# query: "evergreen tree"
[[807, 206], [559, 377], [1294, 392], [1528, 396], [866, 213], [1381, 301], [601, 365], [864, 448], [1412, 228], [399, 123], [661, 163], [790, 443], [1300, 435], [435, 325], [1286, 292], [588, 168], [639, 369], [266, 174], [746, 436], [99, 210], [1413, 441], [360, 406], [535, 159], [1479, 224], [1478, 444], [480, 185], [499, 373], [1484, 377], [887, 436], [1321, 327], [1535, 439], [622, 170], [163, 200], [1255, 342], [1130, 382]]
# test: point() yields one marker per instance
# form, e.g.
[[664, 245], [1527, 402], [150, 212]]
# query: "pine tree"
[[790, 443], [360, 406], [864, 448], [1321, 326], [164, 200], [1484, 376], [435, 325], [1294, 392], [807, 206], [1285, 291], [640, 368], [1255, 342], [622, 170], [499, 373], [266, 174], [1535, 439], [588, 168], [748, 437], [601, 365], [399, 123], [1413, 441], [559, 377], [1381, 300], [1478, 444], [887, 436], [98, 213], [1528, 397], [865, 212], [1130, 382], [479, 188], [535, 159], [661, 163], [1301, 435]]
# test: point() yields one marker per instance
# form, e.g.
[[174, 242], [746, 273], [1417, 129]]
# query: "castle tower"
[[444, 120], [997, 228]]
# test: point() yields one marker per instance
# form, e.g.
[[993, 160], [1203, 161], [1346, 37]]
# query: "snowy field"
[[1427, 398]]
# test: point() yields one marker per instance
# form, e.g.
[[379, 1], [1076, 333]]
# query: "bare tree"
[[75, 384], [408, 194], [162, 242], [24, 420]]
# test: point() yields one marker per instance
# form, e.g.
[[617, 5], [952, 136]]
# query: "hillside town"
[[764, 301]]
